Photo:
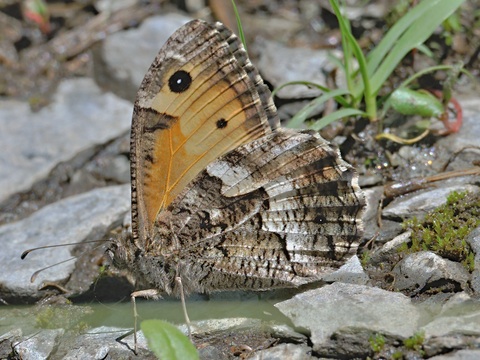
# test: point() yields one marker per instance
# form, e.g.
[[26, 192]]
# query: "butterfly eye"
[[179, 81]]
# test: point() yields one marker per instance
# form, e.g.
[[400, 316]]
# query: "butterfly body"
[[222, 197]]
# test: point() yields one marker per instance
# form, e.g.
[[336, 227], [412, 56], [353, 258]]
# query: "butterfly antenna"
[[35, 274], [26, 252]]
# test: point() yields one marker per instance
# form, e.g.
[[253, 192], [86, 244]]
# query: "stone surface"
[[68, 221], [145, 41], [459, 355], [279, 64], [80, 116], [390, 247], [284, 351], [101, 342], [40, 346], [461, 318], [373, 197], [473, 240], [420, 202], [418, 270], [466, 141], [351, 272], [326, 310]]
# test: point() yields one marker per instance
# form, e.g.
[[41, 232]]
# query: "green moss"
[[365, 258], [377, 342], [445, 229], [415, 342], [397, 355]]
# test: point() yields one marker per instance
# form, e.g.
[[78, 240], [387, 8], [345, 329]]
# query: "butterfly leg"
[[148, 294], [178, 280]]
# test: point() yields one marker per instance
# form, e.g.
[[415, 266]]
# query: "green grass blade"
[[376, 56], [241, 34], [415, 35], [167, 342], [346, 43], [299, 118], [342, 113], [368, 93]]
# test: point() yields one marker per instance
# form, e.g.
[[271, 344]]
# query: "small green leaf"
[[167, 342], [411, 102]]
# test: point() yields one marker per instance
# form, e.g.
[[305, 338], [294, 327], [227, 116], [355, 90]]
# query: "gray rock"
[[113, 5], [79, 117], [446, 345], [370, 216], [280, 64], [459, 315], [473, 240], [101, 342], [418, 270], [124, 71], [420, 202], [465, 142], [326, 310], [390, 248], [40, 346], [284, 331], [351, 343], [459, 355], [284, 351], [218, 325], [68, 221], [351, 272]]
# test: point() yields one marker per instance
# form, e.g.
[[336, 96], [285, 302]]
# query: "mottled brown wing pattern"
[[280, 211], [221, 196], [200, 98]]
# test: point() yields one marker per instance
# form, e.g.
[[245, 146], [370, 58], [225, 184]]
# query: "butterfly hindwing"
[[283, 222]]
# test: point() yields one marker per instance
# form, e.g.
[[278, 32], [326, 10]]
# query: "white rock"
[[67, 221], [79, 117]]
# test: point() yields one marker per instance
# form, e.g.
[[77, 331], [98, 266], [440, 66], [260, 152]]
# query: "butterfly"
[[223, 197]]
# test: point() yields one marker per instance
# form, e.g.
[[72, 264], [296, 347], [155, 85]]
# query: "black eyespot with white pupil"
[[222, 123], [179, 81]]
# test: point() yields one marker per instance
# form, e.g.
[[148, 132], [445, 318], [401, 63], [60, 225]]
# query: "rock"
[[71, 220], [220, 325], [390, 248], [80, 116], [473, 240], [325, 311], [279, 64], [446, 345], [420, 202], [373, 197], [465, 142], [102, 342], [419, 271], [459, 355], [351, 272], [459, 315], [113, 5], [284, 351], [39, 346], [351, 343], [124, 72]]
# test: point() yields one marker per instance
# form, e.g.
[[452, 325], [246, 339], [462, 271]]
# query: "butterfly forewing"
[[200, 99]]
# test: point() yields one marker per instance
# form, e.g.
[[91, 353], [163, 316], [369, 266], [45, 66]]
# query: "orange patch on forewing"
[[178, 159]]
